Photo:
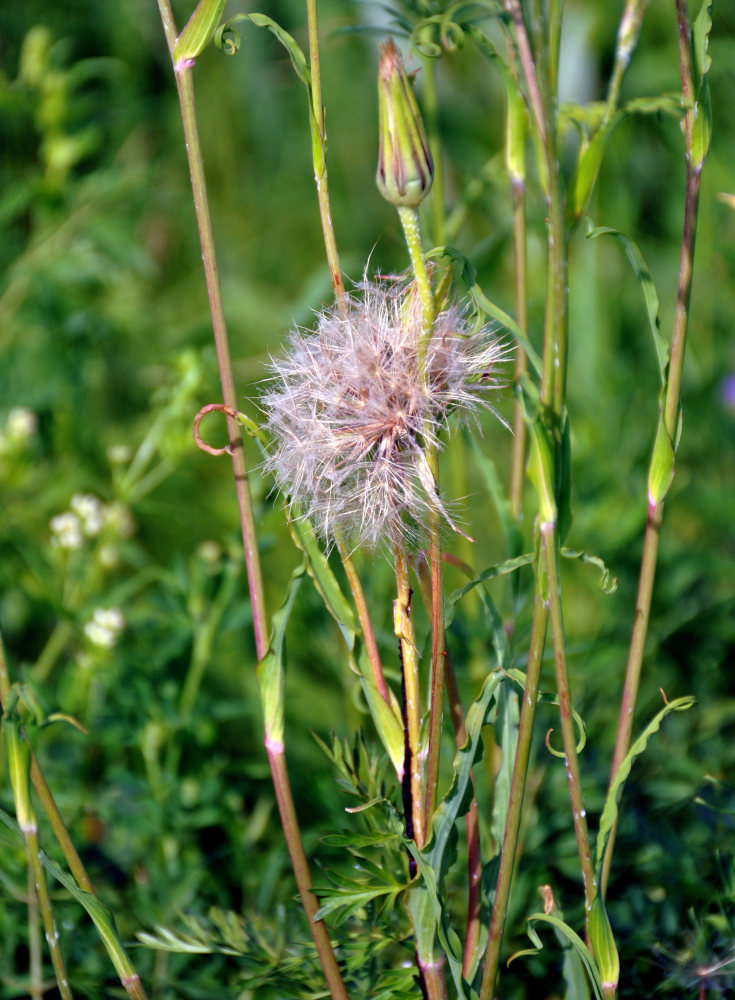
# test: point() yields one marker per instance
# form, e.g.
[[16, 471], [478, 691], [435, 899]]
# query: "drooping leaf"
[[575, 941], [610, 810], [640, 269], [608, 583]]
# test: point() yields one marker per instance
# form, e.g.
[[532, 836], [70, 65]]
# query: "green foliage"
[[123, 601]]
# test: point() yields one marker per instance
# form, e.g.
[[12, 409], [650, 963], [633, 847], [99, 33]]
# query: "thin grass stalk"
[[404, 630], [282, 787], [35, 960], [319, 147], [515, 803], [654, 520], [569, 736], [44, 903], [366, 624]]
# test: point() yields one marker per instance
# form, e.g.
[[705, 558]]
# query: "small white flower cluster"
[[105, 627], [354, 406], [21, 425], [88, 517]]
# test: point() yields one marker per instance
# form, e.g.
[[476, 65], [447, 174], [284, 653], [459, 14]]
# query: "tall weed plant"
[[420, 491]]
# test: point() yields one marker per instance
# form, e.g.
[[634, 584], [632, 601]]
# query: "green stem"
[[569, 737], [628, 30], [300, 866], [412, 231], [404, 630], [319, 150], [556, 10], [35, 962], [515, 802], [518, 458], [61, 635], [671, 416], [49, 924]]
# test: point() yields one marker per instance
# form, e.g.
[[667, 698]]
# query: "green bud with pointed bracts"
[[405, 168]]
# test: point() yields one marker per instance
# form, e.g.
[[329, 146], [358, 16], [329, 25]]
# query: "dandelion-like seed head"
[[353, 407]]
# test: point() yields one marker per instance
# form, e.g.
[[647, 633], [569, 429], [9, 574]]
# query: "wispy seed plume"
[[350, 411]]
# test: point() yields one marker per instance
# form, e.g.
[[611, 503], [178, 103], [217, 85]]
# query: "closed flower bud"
[[405, 168]]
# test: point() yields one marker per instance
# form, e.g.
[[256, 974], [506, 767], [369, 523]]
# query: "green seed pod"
[[603, 943], [405, 168]]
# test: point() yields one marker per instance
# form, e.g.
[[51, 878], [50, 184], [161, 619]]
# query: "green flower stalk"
[[405, 167]]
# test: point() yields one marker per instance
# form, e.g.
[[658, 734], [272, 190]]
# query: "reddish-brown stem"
[[300, 866], [569, 737], [366, 624]]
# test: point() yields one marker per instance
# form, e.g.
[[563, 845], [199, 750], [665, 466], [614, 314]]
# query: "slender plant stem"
[[628, 29], [515, 803], [404, 630], [368, 632], [434, 981], [670, 416], [412, 231], [569, 737], [556, 11], [438, 665], [44, 902], [282, 787], [319, 149], [518, 189], [60, 636], [35, 963], [44, 793], [185, 86], [472, 829], [300, 866]]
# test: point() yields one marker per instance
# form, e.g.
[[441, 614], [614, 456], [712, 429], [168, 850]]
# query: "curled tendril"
[[446, 32], [227, 39], [200, 443], [580, 744]]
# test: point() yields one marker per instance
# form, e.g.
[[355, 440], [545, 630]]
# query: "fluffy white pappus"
[[353, 406]]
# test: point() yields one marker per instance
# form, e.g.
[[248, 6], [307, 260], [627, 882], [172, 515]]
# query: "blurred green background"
[[107, 355]]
